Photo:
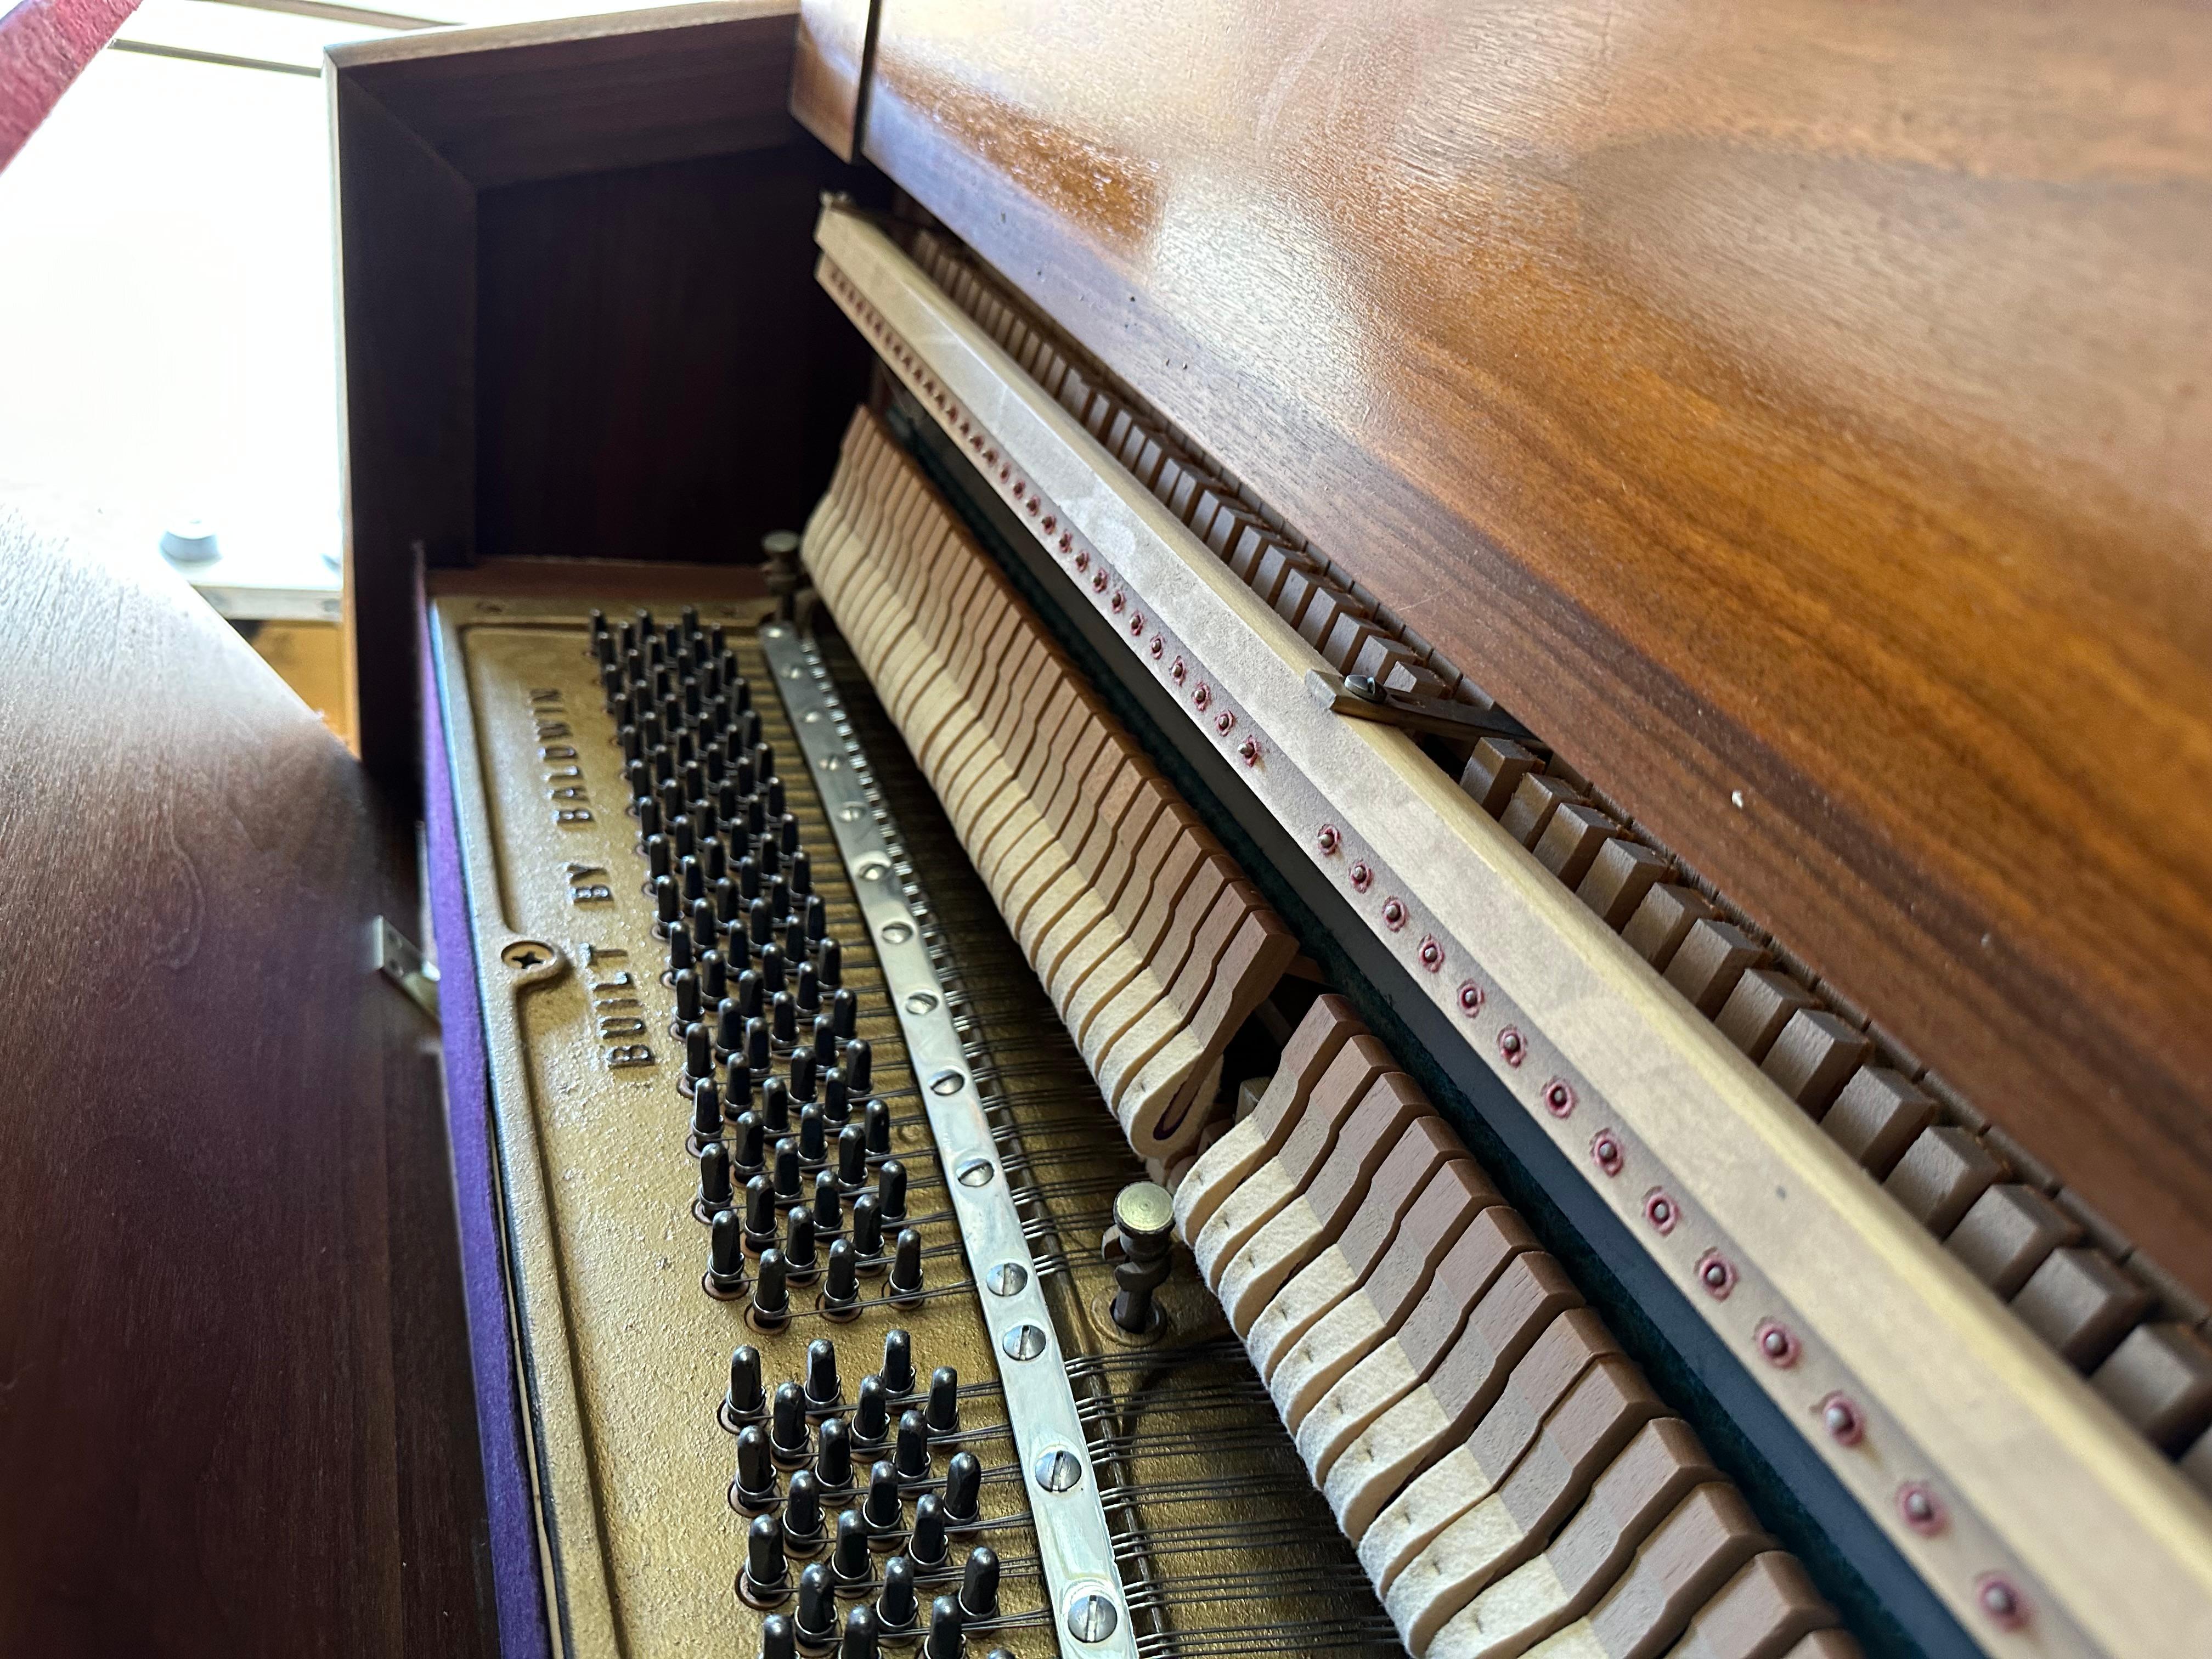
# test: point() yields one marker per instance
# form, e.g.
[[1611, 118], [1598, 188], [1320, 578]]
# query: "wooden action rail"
[[1146, 936], [2018, 1231], [1513, 1485]]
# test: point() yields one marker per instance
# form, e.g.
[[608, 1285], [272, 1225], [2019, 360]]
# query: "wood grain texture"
[[657, 373], [545, 100], [237, 1416], [829, 71], [1805, 410], [576, 316]]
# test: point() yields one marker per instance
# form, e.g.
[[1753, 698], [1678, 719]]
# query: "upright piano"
[[1238, 829]]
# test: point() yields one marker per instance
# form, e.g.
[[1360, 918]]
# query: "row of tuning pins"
[[803, 1429], [733, 889]]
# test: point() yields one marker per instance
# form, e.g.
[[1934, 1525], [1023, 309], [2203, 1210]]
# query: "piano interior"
[[1088, 1011]]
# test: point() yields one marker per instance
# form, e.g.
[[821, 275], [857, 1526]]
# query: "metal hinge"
[[1358, 697], [393, 954]]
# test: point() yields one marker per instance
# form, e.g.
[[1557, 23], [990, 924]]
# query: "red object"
[[44, 46]]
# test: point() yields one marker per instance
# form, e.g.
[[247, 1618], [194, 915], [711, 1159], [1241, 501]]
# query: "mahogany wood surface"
[[1796, 415], [829, 71], [236, 1416], [578, 319]]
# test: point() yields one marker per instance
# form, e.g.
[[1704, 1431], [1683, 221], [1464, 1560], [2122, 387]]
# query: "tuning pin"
[[802, 1513], [881, 1510], [776, 1105], [897, 1371], [803, 1261], [752, 998], [926, 1549], [840, 1287], [744, 1399], [833, 1458], [758, 1055], [765, 1581], [830, 960], [723, 890], [808, 993], [803, 1069], [706, 1110], [963, 1490], [895, 1606], [789, 834], [850, 1565], [772, 785], [698, 1048], [771, 1306], [783, 1019], [667, 904], [749, 1139], [824, 1050], [905, 1284], [760, 1214], [705, 932], [868, 1234], [876, 1118], [714, 980], [822, 1385], [911, 1458], [945, 1639], [760, 924], [837, 1099], [817, 918], [657, 862], [749, 886], [730, 1031], [778, 1639], [794, 938], [853, 1158], [679, 951], [979, 1584], [890, 1190], [725, 1256], [944, 1412], [786, 1425], [862, 1639], [842, 1011], [813, 1138], [829, 1204], [857, 1068], [802, 874], [870, 1425], [755, 1490], [816, 1621], [714, 1177], [772, 965], [682, 832], [787, 1190]]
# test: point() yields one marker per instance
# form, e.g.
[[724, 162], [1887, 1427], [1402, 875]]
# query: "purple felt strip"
[[517, 1587]]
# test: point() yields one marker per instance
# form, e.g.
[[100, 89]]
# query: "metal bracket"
[[394, 955], [1089, 1608], [1358, 697]]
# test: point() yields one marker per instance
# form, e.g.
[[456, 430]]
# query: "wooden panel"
[[1792, 419], [238, 1415], [829, 71], [539, 100], [576, 309], [658, 375], [406, 230]]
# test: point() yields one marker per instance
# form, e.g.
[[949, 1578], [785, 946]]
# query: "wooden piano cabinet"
[[577, 310], [235, 1409], [1795, 416]]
